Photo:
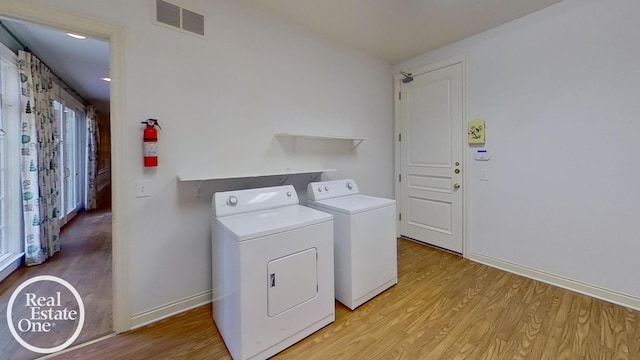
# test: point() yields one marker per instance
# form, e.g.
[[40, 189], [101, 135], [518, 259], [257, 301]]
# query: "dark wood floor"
[[444, 307], [85, 262]]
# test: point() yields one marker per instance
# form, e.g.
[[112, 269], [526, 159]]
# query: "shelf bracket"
[[355, 143], [198, 189], [284, 179]]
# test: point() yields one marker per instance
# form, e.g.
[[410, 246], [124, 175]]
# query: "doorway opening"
[[99, 221]]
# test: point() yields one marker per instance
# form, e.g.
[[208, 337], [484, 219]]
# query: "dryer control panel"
[[243, 201], [330, 189]]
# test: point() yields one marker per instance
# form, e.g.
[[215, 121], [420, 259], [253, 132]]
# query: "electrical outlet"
[[142, 189]]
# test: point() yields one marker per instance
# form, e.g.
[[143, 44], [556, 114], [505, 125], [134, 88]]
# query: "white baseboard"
[[169, 310], [579, 287]]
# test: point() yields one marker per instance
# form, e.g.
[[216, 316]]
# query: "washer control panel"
[[330, 189]]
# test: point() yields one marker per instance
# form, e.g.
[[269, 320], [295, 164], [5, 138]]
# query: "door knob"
[[456, 186], [457, 171]]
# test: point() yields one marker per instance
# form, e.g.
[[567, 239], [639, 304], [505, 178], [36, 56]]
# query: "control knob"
[[232, 200]]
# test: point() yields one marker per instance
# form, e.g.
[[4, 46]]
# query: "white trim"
[[171, 309], [9, 264], [459, 59], [466, 160], [80, 23], [13, 245], [71, 102], [119, 177], [565, 283], [60, 93], [438, 65], [397, 78]]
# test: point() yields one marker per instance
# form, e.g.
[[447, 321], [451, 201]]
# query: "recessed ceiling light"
[[76, 36], [105, 79]]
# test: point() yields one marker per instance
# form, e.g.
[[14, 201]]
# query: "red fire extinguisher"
[[150, 138]]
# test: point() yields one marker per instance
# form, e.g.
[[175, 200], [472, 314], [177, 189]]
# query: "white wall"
[[220, 100], [559, 91]]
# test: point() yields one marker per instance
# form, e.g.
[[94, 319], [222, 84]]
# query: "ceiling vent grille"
[[178, 17]]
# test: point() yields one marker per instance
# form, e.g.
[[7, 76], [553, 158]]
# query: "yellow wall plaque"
[[477, 129]]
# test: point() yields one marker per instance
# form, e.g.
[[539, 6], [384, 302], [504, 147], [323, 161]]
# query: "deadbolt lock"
[[457, 171], [457, 163]]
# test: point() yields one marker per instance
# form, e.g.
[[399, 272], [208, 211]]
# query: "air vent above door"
[[177, 17]]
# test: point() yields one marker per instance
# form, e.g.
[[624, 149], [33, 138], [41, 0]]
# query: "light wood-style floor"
[[85, 262], [444, 307]]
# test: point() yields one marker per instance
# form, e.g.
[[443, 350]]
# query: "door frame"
[[397, 82], [114, 34]]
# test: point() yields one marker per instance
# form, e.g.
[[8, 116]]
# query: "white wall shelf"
[[355, 141], [285, 173], [252, 175]]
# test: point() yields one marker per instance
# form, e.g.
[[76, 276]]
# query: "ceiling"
[[390, 30], [79, 63], [397, 30]]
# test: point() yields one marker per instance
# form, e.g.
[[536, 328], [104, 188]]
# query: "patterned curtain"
[[93, 139], [39, 161]]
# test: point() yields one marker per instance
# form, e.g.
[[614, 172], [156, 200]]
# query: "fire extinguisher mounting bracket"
[[152, 122]]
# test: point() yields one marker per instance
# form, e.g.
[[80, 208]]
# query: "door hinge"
[[399, 95], [399, 137], [399, 216], [400, 178]]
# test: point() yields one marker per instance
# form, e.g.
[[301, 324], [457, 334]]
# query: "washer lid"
[[271, 221], [353, 204]]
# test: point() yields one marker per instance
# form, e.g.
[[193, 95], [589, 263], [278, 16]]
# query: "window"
[[10, 194], [69, 117]]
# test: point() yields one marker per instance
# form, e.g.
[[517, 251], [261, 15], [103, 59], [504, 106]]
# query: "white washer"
[[272, 270], [365, 244]]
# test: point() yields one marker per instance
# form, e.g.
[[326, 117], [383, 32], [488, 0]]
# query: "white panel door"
[[431, 191]]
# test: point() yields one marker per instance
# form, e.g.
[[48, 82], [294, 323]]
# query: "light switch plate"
[[142, 189], [484, 174]]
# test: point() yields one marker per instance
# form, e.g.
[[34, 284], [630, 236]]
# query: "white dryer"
[[272, 270], [365, 243]]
